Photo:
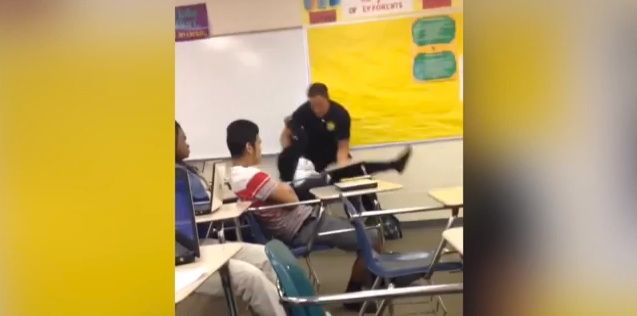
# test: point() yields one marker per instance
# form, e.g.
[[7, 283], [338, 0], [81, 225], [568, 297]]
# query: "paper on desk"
[[185, 278]]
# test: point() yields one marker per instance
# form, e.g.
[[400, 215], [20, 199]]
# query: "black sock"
[[400, 163]]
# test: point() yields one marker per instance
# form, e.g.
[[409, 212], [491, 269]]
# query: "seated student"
[[294, 225], [294, 167], [252, 276]]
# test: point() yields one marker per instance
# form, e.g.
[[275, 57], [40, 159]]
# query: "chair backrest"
[[260, 236], [365, 245], [293, 279]]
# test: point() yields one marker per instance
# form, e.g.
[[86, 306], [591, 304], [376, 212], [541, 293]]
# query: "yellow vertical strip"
[[86, 144]]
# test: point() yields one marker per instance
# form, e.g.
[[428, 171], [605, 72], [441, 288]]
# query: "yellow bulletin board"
[[400, 79]]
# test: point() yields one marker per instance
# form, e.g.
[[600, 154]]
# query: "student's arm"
[[269, 190], [282, 193]]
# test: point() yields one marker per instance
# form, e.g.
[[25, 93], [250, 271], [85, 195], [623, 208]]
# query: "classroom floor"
[[417, 236]]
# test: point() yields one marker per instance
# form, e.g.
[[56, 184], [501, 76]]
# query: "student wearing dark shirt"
[[327, 126]]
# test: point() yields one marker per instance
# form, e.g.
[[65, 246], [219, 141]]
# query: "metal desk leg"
[[455, 211], [222, 236], [209, 229], [224, 273], [443, 243], [380, 221], [237, 229]]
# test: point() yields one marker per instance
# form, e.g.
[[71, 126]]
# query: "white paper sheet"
[[185, 278]]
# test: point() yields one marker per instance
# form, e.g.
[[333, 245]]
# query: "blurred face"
[[320, 105], [254, 152], [182, 149]]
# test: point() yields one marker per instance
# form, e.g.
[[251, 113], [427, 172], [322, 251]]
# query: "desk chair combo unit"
[[304, 251], [189, 257], [396, 268], [451, 198], [218, 209], [299, 296]]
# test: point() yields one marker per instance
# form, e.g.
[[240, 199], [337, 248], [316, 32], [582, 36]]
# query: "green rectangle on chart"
[[434, 66], [434, 30]]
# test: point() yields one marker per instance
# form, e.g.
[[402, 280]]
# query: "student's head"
[[242, 137], [319, 99], [182, 149]]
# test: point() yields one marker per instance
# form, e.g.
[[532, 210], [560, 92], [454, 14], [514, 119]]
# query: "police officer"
[[327, 126]]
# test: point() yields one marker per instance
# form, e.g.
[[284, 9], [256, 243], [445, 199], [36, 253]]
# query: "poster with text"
[[330, 11], [400, 79], [191, 22], [355, 9]]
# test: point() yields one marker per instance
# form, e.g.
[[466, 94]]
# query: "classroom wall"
[[433, 164], [234, 16]]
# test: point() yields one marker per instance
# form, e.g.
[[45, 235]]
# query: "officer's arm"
[[342, 154], [342, 135]]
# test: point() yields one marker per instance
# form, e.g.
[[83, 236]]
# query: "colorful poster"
[[400, 79], [191, 22], [434, 42]]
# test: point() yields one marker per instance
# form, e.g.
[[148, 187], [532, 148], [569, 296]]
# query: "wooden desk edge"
[[389, 187], [230, 251], [220, 214], [435, 194], [450, 235]]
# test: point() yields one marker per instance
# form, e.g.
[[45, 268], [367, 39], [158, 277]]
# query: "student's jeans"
[[252, 278]]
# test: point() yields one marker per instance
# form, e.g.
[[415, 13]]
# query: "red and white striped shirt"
[[252, 184]]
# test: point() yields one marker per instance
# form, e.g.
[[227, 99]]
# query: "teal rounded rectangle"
[[434, 66], [433, 30]]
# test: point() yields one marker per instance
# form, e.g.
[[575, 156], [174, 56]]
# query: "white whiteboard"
[[262, 77]]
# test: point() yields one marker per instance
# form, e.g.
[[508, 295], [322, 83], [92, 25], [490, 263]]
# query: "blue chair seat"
[[406, 265], [394, 265], [414, 255], [301, 250]]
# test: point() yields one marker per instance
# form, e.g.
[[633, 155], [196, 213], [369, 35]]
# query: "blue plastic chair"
[[394, 268], [300, 299], [292, 279]]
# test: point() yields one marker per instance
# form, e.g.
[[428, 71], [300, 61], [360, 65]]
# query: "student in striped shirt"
[[293, 225]]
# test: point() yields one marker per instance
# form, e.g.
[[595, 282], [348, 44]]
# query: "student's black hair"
[[316, 89], [238, 134]]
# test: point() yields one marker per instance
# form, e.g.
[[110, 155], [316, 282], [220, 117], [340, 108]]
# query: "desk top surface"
[[452, 196], [331, 192], [226, 211], [211, 259], [454, 237]]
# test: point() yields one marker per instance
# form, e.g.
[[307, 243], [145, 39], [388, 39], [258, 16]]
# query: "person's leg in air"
[[397, 164], [371, 167]]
